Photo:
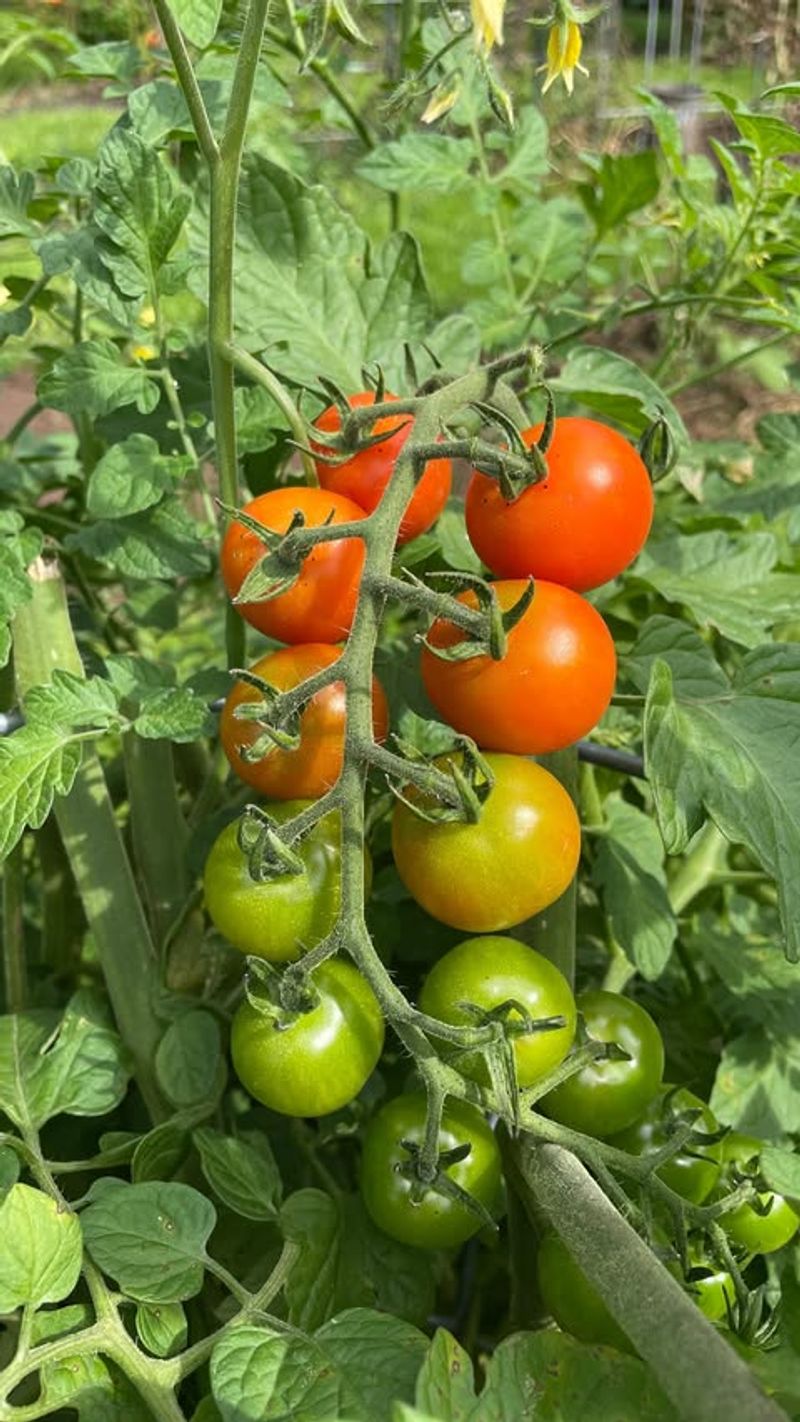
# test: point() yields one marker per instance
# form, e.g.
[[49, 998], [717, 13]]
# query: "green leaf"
[[161, 542], [132, 476], [77, 1066], [727, 582], [16, 195], [629, 870], [40, 1250], [9, 1170], [162, 1328], [781, 1170], [429, 161], [620, 185], [92, 379], [138, 212], [72, 703], [151, 1239], [446, 1382], [35, 764], [772, 137], [111, 59], [189, 1058], [722, 751], [15, 322], [198, 19], [17, 550], [346, 1262], [618, 390], [93, 1387], [311, 292], [526, 149], [356, 1366], [756, 1086], [451, 534], [569, 1382], [241, 1171], [174, 713], [59, 1322], [160, 1153]]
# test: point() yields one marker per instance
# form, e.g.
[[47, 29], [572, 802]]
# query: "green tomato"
[[494, 970], [694, 1171], [435, 1221], [757, 1233], [281, 918], [572, 1301], [318, 1061], [711, 1288], [608, 1096]]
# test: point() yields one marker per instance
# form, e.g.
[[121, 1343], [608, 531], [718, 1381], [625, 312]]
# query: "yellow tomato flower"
[[144, 353], [487, 22], [564, 46]]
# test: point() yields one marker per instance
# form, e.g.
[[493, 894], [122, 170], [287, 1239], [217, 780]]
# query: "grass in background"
[[29, 134]]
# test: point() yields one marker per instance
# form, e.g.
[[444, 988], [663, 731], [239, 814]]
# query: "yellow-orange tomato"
[[319, 606], [551, 687], [517, 859], [307, 772]]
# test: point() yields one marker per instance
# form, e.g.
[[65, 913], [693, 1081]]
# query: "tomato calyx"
[[279, 996], [454, 794], [279, 568], [492, 639], [281, 732], [435, 1179], [267, 853]]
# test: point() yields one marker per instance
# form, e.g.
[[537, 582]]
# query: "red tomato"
[[319, 607], [581, 525], [552, 686], [307, 772], [364, 477]]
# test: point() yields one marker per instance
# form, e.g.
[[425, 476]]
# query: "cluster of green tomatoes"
[[577, 528]]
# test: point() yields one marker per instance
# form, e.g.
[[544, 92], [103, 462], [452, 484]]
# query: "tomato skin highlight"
[[484, 877], [712, 1289], [607, 1096], [365, 475], [307, 772], [319, 607], [281, 918], [489, 971], [582, 525], [758, 1234], [436, 1222], [320, 1061], [692, 1175], [572, 1301], [553, 685]]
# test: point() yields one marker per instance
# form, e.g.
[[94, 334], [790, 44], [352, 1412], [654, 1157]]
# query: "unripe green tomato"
[[694, 1171], [319, 1061], [757, 1233], [607, 1096], [572, 1301], [281, 918], [435, 1221], [712, 1290], [493, 970]]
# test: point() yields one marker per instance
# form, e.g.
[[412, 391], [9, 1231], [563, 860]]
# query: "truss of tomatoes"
[[579, 527]]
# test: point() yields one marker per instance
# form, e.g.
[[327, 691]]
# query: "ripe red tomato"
[[319, 606], [307, 772], [580, 526], [517, 859], [552, 686], [364, 477]]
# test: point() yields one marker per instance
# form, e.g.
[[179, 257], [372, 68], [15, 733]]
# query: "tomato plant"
[[607, 1096], [308, 769], [317, 1061], [517, 859], [581, 525], [692, 1172], [365, 475], [279, 917], [319, 604], [434, 1220], [489, 973], [561, 646]]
